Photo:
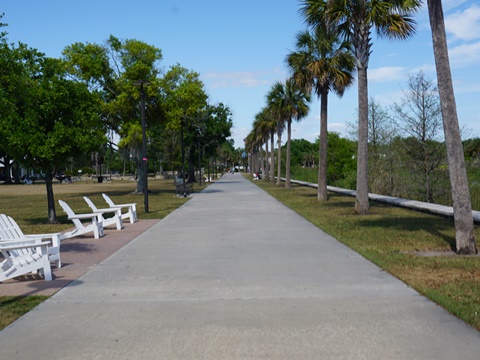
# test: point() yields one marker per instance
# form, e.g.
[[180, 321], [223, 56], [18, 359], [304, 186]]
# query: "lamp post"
[[141, 83]]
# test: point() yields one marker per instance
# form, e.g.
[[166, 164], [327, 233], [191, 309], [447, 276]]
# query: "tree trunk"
[[250, 163], [462, 208], [266, 176], [287, 163], [322, 194], [16, 173], [272, 158], [261, 164], [361, 203], [191, 166], [279, 158], [7, 169], [52, 215]]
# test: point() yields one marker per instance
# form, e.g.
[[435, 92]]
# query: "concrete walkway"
[[234, 274]]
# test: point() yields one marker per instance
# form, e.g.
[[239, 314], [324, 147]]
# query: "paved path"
[[234, 274]]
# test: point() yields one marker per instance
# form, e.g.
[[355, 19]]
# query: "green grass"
[[12, 307], [27, 204], [393, 238]]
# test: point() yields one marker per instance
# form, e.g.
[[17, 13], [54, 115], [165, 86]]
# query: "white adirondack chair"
[[24, 257], [95, 225], [9, 230], [130, 214], [116, 219]]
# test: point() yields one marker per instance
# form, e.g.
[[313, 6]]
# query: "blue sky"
[[239, 47]]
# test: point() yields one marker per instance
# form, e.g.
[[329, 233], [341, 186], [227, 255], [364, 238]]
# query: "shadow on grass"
[[384, 216], [434, 226], [339, 201]]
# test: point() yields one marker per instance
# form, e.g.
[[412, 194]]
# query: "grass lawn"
[[27, 204], [415, 247]]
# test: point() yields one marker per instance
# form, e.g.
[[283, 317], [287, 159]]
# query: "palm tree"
[[268, 125], [280, 130], [279, 126], [260, 127], [322, 63], [355, 20], [462, 207], [272, 125], [249, 149], [289, 102]]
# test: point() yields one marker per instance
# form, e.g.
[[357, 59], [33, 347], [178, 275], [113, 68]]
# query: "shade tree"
[[53, 118], [114, 69]]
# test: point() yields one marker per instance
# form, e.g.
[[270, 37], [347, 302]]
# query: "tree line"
[[332, 53], [56, 112]]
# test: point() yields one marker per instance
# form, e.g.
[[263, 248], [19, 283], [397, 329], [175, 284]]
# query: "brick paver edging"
[[79, 255]]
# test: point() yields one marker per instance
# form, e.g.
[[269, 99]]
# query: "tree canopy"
[[51, 118]]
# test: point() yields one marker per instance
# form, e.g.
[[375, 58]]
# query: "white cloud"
[[464, 54], [387, 98], [464, 25], [239, 133], [338, 127], [237, 79], [450, 4], [387, 73], [425, 68], [461, 88]]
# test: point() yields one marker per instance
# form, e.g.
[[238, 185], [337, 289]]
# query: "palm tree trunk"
[[262, 162], [462, 208], [267, 163], [250, 163], [361, 203], [272, 158], [279, 158], [287, 167], [322, 156]]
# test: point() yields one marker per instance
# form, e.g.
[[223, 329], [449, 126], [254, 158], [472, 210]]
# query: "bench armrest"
[[83, 216], [41, 236], [15, 245], [107, 210], [123, 205]]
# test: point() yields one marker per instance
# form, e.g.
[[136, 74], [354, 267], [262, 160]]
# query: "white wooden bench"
[[95, 225], [131, 212], [23, 258], [9, 230], [116, 219]]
